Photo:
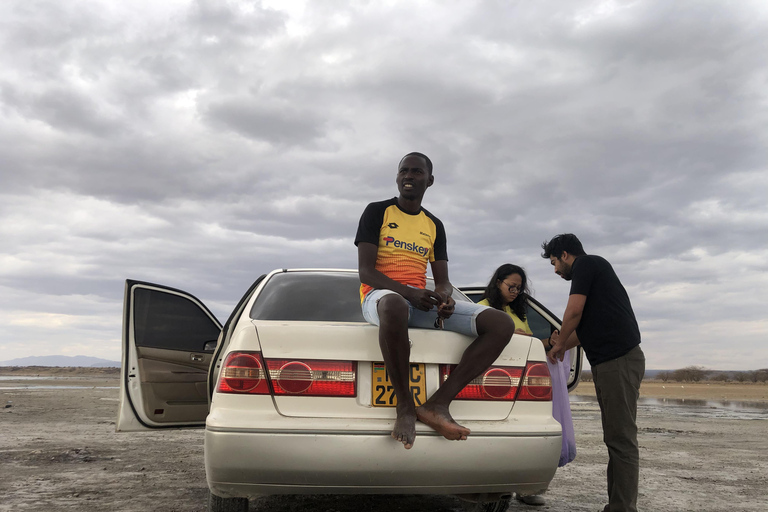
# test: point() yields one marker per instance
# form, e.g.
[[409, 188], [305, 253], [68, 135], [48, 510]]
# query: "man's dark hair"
[[421, 155], [566, 242]]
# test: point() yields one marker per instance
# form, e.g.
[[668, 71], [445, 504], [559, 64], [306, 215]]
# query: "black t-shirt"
[[608, 328]]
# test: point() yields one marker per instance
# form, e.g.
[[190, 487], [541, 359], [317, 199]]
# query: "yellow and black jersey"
[[406, 242]]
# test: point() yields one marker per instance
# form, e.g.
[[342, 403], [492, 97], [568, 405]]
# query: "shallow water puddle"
[[726, 409]]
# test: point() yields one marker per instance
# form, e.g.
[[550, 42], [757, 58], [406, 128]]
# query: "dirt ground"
[[59, 452]]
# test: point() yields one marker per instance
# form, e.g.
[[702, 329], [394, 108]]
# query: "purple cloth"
[[561, 406]]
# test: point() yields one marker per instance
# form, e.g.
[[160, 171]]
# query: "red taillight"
[[537, 383], [312, 377], [246, 372], [243, 372], [496, 383]]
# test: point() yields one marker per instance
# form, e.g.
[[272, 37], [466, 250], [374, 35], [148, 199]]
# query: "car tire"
[[494, 506], [219, 504]]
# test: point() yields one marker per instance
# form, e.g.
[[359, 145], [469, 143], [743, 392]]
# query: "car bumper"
[[251, 462]]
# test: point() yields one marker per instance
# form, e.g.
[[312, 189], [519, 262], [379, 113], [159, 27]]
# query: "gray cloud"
[[281, 125], [200, 144]]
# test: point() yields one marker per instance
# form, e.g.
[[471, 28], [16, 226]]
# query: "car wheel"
[[219, 504], [494, 506]]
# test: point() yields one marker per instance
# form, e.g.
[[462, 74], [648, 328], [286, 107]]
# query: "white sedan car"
[[295, 399]]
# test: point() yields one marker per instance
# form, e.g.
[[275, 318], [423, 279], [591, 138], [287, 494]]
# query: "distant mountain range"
[[86, 361]]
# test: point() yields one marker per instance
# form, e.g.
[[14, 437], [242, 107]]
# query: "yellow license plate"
[[384, 393]]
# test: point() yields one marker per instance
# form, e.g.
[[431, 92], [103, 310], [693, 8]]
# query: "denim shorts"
[[463, 320]]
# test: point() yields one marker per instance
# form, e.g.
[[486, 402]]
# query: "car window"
[[539, 325], [458, 297], [169, 321], [310, 296], [474, 294], [313, 296]]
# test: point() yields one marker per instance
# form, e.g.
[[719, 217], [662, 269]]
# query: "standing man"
[[396, 238], [599, 312]]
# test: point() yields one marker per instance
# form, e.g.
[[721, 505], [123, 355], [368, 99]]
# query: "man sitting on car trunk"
[[396, 238]]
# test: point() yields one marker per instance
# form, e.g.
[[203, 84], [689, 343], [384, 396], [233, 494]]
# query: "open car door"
[[169, 338]]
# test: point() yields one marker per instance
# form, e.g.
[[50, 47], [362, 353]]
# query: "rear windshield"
[[310, 296], [313, 296]]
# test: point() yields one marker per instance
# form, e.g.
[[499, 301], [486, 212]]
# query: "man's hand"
[[558, 348], [423, 299], [445, 309], [571, 320]]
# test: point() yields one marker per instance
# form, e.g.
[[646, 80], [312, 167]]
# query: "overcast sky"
[[199, 144]]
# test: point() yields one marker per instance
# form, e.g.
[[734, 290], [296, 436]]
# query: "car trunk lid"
[[353, 341]]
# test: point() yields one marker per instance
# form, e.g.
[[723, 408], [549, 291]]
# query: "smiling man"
[[396, 238], [599, 311]]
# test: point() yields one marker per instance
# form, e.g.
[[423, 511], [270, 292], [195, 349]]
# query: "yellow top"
[[406, 242], [519, 324]]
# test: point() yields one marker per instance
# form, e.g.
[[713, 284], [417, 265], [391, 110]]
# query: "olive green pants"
[[617, 383]]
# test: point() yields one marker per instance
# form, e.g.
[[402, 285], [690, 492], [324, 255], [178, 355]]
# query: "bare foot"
[[440, 419], [405, 429]]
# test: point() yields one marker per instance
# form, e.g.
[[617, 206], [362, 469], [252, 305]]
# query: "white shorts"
[[463, 320]]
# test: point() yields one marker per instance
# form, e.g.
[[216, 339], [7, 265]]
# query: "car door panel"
[[168, 341]]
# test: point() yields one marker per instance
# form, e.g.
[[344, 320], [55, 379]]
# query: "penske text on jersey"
[[408, 246]]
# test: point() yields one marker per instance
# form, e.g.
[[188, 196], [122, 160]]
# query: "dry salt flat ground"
[[59, 452]]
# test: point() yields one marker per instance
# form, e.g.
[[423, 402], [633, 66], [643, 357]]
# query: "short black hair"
[[421, 155], [565, 242]]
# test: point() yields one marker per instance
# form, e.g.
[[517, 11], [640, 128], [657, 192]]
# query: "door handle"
[[196, 357]]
